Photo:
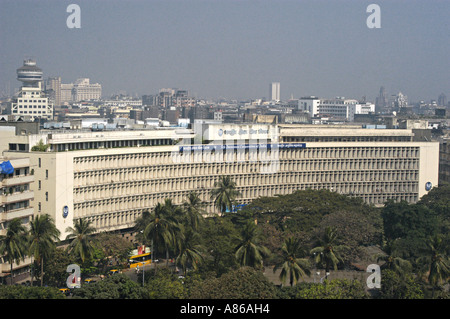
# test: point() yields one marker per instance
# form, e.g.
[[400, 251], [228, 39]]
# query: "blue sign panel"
[[241, 147], [65, 211]]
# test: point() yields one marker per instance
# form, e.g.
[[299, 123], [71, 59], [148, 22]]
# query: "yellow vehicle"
[[65, 291], [140, 260]]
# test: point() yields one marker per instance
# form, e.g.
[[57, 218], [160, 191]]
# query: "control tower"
[[29, 74], [31, 101]]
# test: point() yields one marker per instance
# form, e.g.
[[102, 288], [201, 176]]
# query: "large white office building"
[[111, 177]]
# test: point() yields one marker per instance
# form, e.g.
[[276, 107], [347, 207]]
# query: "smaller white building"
[[366, 108]]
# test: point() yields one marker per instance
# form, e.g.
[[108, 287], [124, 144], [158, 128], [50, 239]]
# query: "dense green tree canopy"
[[243, 283]]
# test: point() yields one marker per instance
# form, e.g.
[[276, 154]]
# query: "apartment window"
[[39, 160], [46, 174], [46, 196], [39, 185], [39, 206]]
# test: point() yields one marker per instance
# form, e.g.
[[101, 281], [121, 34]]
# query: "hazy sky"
[[234, 49]]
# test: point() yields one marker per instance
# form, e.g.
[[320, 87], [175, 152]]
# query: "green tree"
[[243, 283], [408, 221], [249, 252], [43, 238], [117, 286], [22, 292], [438, 201], [399, 286], [56, 267], [191, 252], [164, 285], [328, 251], [334, 289], [393, 262], [140, 224], [14, 243], [40, 147], [82, 239], [115, 249], [292, 264], [224, 194], [174, 213], [161, 228], [435, 261], [194, 209], [218, 237]]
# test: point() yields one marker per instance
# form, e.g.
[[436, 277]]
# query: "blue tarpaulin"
[[6, 168]]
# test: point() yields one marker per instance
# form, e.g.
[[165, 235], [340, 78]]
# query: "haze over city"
[[233, 49]]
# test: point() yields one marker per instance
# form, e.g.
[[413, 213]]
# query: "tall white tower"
[[31, 100], [275, 91]]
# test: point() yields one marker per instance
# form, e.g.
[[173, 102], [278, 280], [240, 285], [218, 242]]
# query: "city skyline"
[[234, 49]]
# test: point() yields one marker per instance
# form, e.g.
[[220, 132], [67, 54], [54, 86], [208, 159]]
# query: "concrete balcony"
[[16, 213], [18, 180], [20, 162], [5, 268], [17, 197]]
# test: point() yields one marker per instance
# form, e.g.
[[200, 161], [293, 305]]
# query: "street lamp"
[[143, 272]]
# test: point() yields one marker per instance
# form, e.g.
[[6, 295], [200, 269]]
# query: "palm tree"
[[161, 227], [224, 194], [248, 252], [194, 208], [43, 237], [175, 214], [292, 263], [14, 243], [436, 261], [140, 225], [190, 252], [82, 243], [328, 251], [392, 262]]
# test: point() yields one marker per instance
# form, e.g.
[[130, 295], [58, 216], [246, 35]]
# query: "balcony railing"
[[17, 197], [18, 180]]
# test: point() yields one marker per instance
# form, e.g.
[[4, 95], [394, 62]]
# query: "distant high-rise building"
[[275, 91], [83, 90], [398, 101], [66, 92], [53, 89], [174, 97], [381, 101], [31, 100], [442, 100]]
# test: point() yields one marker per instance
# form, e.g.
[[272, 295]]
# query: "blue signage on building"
[[65, 211], [241, 147]]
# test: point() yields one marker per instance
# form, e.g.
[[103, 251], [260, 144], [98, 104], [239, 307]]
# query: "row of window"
[[153, 158], [354, 184], [121, 205], [356, 170], [32, 112], [32, 101]]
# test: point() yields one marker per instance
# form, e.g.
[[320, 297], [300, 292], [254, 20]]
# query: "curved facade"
[[29, 73]]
